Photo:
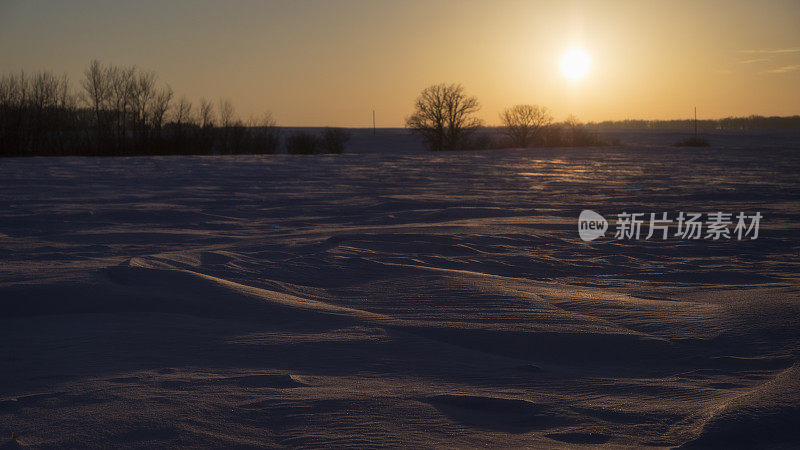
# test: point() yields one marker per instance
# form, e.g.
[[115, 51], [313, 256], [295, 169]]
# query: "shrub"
[[302, 143], [265, 140], [482, 140], [524, 123], [693, 141], [574, 134], [553, 136], [265, 137], [334, 140]]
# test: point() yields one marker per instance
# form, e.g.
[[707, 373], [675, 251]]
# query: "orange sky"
[[331, 62]]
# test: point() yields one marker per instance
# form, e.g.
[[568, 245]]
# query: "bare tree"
[[206, 113], [184, 113], [227, 113], [97, 87], [264, 134], [159, 107], [231, 133], [445, 116], [264, 120], [49, 91], [11, 89], [122, 93], [523, 123], [15, 97], [142, 91], [49, 108], [574, 130]]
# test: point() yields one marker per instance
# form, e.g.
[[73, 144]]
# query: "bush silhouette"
[[301, 143], [333, 140], [693, 141], [524, 124]]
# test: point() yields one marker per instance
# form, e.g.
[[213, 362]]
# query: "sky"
[[332, 62]]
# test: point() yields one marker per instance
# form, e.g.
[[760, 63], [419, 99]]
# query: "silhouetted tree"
[[122, 92], [523, 123], [227, 113], [232, 132], [444, 116], [182, 129], [184, 113], [573, 130], [206, 113], [52, 112], [97, 90], [141, 93], [574, 134], [264, 135], [159, 107]]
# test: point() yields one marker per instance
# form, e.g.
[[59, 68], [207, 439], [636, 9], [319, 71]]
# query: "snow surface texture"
[[410, 299]]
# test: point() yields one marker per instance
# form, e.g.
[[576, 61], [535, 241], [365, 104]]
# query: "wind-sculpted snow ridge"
[[410, 300]]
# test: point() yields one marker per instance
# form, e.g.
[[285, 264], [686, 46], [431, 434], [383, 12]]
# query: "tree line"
[[122, 111]]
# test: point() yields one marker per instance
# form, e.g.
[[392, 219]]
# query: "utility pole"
[[695, 121], [373, 122]]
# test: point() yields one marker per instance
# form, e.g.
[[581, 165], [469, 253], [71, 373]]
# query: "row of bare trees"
[[127, 105], [445, 118], [120, 111], [133, 114], [37, 113]]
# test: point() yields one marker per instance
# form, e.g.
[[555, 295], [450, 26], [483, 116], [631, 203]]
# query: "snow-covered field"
[[408, 299]]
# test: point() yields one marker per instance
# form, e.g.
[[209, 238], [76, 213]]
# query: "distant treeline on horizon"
[[728, 123]]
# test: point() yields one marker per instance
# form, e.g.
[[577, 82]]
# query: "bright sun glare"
[[575, 64]]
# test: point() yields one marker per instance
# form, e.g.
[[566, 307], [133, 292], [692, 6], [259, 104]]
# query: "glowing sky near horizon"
[[331, 62]]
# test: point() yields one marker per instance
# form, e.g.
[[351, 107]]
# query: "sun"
[[575, 64]]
